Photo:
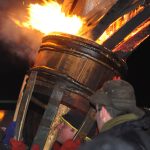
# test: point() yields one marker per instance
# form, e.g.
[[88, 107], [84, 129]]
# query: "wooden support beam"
[[117, 37], [98, 11], [49, 115], [125, 49], [23, 105], [94, 30]]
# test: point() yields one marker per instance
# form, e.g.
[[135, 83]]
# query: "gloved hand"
[[35, 147], [17, 145], [71, 145]]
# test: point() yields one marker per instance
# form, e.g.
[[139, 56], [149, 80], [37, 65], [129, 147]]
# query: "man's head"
[[65, 132], [70, 124], [118, 97]]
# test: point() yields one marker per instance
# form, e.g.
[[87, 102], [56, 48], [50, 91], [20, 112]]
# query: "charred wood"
[[117, 37], [126, 48]]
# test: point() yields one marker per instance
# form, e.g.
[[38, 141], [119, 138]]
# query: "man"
[[122, 125], [67, 129]]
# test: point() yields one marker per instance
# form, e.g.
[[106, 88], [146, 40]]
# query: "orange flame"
[[118, 24], [48, 18], [2, 114]]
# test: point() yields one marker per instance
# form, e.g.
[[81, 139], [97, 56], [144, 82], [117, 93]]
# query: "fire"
[[2, 114], [118, 24], [48, 18], [134, 32]]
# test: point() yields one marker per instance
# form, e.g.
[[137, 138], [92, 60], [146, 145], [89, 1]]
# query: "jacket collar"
[[118, 120]]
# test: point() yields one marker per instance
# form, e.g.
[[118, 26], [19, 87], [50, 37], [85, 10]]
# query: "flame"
[[141, 27], [118, 24], [48, 18], [2, 114]]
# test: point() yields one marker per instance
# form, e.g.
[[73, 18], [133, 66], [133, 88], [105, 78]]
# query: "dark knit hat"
[[74, 118], [119, 95]]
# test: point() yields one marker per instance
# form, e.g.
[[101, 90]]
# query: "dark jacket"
[[129, 135]]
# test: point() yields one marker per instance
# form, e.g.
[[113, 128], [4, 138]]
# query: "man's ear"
[[104, 111], [104, 114]]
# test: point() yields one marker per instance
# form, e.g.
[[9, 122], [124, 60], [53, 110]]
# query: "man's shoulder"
[[132, 133], [107, 142]]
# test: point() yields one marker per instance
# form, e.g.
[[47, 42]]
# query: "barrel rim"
[[91, 47]]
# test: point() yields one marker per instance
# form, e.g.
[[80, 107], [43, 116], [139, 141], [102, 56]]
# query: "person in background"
[[70, 123], [2, 135], [122, 125]]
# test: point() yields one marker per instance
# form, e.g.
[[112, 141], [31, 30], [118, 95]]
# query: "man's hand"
[[17, 145], [71, 145]]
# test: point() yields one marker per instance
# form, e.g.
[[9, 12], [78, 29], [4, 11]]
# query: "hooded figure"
[[122, 125]]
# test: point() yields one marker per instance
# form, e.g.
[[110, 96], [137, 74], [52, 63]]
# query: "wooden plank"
[[24, 105], [125, 49], [127, 29], [94, 30], [98, 11], [49, 115]]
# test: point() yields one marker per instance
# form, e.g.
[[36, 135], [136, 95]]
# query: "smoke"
[[20, 41], [9, 4]]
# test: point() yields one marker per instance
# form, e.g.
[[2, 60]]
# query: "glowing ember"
[[48, 18], [2, 114], [144, 25], [118, 24]]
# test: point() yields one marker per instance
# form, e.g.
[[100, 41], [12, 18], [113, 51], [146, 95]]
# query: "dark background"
[[139, 73]]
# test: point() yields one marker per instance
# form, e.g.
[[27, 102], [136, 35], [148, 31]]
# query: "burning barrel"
[[67, 70], [80, 62]]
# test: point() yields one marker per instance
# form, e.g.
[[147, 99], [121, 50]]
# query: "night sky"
[[18, 49], [139, 73]]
